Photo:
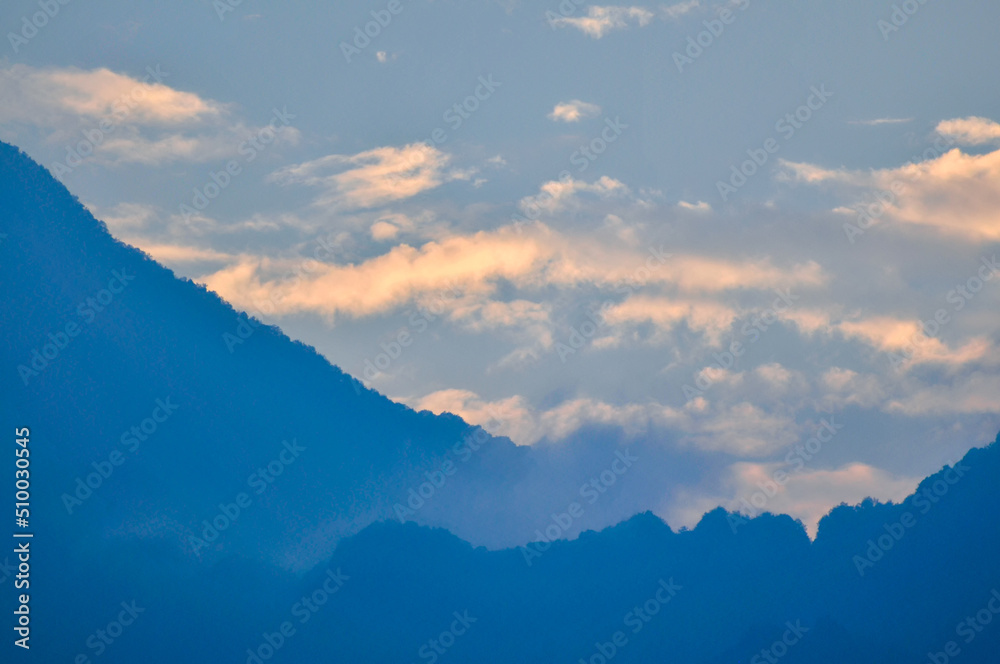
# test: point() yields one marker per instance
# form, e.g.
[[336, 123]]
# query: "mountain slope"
[[722, 592], [83, 364], [211, 483], [738, 585]]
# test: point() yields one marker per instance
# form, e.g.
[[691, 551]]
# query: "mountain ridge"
[[218, 486]]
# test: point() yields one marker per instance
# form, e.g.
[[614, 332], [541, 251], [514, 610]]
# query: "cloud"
[[490, 315], [971, 131], [700, 206], [124, 217], [679, 9], [137, 149], [954, 194], [526, 260], [711, 318], [905, 338], [846, 387], [775, 374], [526, 426], [601, 20], [740, 429], [45, 97], [474, 263], [122, 119], [975, 393], [384, 230], [559, 195], [574, 111], [173, 253], [373, 177], [700, 274], [810, 494], [881, 121]]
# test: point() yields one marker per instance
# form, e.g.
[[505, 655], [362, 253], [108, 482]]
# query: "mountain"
[[236, 391], [210, 500], [726, 591], [881, 583], [100, 339]]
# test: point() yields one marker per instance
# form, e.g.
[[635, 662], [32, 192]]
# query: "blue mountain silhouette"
[[236, 503]]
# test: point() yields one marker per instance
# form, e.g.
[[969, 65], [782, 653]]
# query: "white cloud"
[[700, 206], [558, 195], [778, 376], [954, 194], [741, 429], [373, 177], [971, 130], [45, 97], [601, 20], [474, 263], [574, 111], [384, 230], [712, 319], [680, 9], [526, 426], [122, 119]]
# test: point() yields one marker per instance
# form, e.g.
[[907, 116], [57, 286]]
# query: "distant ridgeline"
[[199, 501]]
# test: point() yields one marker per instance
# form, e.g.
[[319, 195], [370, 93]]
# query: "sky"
[[727, 229]]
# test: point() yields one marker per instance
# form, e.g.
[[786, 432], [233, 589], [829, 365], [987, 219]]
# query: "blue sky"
[[515, 210]]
